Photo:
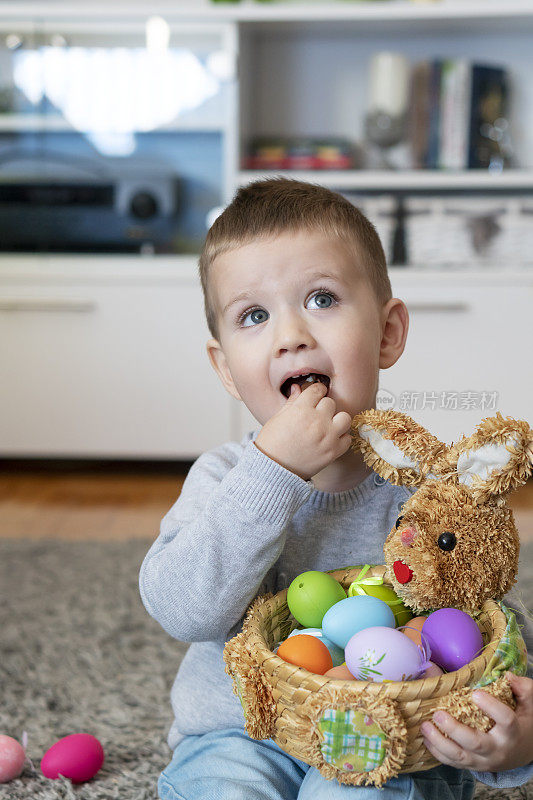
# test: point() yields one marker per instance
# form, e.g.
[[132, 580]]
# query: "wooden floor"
[[117, 502], [93, 503]]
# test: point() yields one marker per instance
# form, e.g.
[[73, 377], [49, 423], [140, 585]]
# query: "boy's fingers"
[[444, 749], [466, 737], [521, 686], [342, 422], [314, 393], [346, 440], [294, 392], [495, 709]]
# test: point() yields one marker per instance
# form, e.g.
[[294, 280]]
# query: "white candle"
[[389, 83]]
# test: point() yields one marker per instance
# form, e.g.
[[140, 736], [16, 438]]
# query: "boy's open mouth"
[[304, 381]]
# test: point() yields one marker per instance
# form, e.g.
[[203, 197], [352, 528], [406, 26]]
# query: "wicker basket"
[[307, 714]]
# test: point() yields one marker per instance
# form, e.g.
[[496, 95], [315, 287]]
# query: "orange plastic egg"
[[340, 673], [307, 652], [414, 626]]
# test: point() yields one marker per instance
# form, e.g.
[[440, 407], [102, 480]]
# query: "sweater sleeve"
[[519, 775], [218, 541]]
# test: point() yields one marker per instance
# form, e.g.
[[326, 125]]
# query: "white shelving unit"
[[404, 179], [73, 323], [510, 16], [302, 69], [48, 123]]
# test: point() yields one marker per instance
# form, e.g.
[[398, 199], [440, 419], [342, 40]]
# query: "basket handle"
[[251, 686]]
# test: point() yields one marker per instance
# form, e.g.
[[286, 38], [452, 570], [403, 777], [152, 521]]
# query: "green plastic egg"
[[311, 594], [402, 614]]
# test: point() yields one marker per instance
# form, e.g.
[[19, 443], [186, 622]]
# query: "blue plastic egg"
[[352, 615], [337, 654]]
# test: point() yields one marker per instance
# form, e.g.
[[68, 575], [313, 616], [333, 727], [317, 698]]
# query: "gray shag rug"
[[78, 653]]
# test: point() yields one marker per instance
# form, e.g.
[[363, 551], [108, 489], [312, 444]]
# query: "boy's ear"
[[220, 365], [394, 326]]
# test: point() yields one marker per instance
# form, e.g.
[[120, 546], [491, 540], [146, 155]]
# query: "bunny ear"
[[496, 459], [395, 446]]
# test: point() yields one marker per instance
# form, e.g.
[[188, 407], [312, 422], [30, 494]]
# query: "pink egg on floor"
[[12, 757], [77, 757]]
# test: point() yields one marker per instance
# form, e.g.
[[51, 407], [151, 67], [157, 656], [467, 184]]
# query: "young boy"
[[295, 284]]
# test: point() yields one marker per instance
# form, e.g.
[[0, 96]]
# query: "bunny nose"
[[408, 536]]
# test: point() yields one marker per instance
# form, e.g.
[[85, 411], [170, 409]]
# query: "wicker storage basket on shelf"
[[358, 732]]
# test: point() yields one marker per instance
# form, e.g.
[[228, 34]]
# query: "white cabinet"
[[466, 355], [106, 362]]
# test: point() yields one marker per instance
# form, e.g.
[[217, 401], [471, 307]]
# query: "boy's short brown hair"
[[276, 205]]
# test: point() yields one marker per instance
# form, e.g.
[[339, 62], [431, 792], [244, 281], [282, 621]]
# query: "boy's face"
[[309, 306]]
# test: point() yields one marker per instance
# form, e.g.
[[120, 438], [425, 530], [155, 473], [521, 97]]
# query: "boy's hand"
[[507, 745], [306, 434]]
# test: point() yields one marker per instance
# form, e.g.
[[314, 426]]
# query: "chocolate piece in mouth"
[[304, 381]]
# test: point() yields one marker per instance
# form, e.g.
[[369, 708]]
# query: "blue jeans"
[[228, 765]]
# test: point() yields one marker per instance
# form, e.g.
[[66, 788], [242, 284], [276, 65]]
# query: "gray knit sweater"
[[244, 525]]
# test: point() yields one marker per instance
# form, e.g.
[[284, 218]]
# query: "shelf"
[[391, 15], [408, 179], [26, 123]]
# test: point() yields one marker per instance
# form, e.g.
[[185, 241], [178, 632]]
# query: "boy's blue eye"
[[257, 315], [322, 299]]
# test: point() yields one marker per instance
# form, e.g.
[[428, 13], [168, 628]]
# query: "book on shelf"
[[454, 106]]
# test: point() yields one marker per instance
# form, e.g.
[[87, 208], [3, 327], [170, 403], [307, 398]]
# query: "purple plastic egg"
[[380, 653], [77, 757], [454, 638]]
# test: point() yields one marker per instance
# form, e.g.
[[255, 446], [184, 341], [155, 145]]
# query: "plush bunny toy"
[[455, 543]]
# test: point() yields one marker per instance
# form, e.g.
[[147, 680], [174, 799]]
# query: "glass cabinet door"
[[113, 134]]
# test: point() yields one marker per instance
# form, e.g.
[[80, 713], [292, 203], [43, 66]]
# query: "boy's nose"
[[292, 334]]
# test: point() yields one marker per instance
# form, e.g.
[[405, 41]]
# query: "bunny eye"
[[447, 541], [398, 522]]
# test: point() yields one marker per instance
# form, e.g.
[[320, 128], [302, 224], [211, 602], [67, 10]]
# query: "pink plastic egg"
[[380, 653], [77, 757], [340, 673], [433, 671], [12, 757]]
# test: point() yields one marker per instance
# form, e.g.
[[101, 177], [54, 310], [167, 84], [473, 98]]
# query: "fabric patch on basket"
[[351, 740], [510, 654]]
